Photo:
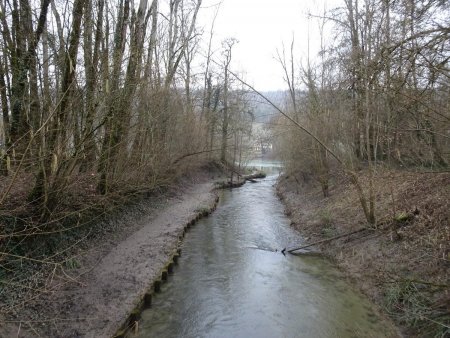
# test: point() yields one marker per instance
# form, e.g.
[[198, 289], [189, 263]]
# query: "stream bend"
[[232, 283]]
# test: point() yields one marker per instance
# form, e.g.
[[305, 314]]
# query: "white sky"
[[261, 26]]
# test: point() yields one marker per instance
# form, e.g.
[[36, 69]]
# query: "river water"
[[232, 283]]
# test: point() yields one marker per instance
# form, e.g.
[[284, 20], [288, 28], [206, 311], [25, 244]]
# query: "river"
[[231, 282]]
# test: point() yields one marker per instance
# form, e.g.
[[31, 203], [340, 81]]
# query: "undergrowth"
[[413, 304]]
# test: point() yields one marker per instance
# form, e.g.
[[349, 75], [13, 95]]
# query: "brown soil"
[[113, 268], [403, 265]]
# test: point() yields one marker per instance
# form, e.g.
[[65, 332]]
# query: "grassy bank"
[[402, 264]]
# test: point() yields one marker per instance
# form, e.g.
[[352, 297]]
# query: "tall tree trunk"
[[108, 150], [53, 176], [91, 60], [356, 86], [224, 144], [24, 60], [4, 156]]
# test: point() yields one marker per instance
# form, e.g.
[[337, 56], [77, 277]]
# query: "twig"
[[416, 281], [50, 320], [18, 330], [28, 258], [74, 280], [33, 329], [327, 240], [194, 153]]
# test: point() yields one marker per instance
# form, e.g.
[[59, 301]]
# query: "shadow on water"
[[232, 283]]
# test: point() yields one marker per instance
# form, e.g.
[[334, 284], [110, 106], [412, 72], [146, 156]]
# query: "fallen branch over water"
[[257, 174], [327, 240], [229, 184]]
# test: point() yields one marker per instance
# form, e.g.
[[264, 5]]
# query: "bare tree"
[[227, 53]]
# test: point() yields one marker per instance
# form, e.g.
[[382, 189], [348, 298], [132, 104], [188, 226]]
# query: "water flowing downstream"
[[232, 283]]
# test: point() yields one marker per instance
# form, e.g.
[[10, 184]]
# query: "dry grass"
[[409, 250]]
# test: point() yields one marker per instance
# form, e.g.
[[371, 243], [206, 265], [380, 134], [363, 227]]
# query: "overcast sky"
[[261, 26]]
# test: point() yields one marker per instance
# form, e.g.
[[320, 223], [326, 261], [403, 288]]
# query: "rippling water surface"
[[232, 283]]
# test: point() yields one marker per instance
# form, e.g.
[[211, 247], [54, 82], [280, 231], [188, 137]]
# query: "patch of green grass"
[[72, 263], [202, 210], [411, 304], [325, 217], [328, 232], [326, 222], [403, 217]]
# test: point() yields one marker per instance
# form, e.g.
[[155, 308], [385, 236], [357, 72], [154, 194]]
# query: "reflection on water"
[[224, 287]]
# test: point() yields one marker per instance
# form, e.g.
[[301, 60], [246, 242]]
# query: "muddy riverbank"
[[113, 269], [403, 265]]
